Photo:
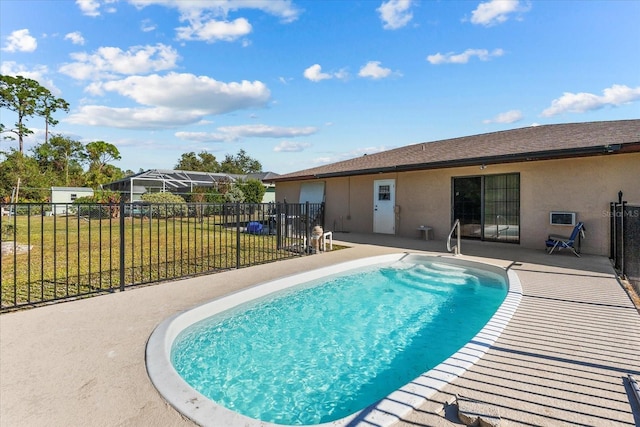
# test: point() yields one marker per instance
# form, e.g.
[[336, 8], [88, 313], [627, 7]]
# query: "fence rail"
[[625, 240], [54, 252]]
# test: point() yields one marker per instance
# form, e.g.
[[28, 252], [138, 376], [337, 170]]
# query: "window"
[[384, 192]]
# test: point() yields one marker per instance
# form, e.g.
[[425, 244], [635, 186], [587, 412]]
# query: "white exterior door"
[[384, 201]]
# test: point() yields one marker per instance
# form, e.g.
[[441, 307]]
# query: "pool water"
[[329, 348]]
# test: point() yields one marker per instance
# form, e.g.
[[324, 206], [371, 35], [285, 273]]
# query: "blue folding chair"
[[561, 242]]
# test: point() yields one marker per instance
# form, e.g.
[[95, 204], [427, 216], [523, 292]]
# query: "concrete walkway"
[[562, 360]]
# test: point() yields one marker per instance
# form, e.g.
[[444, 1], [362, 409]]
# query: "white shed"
[[62, 197]]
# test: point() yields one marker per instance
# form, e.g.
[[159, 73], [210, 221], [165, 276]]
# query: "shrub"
[[7, 231], [253, 191], [166, 205]]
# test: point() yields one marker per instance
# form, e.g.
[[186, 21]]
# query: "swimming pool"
[[410, 392]]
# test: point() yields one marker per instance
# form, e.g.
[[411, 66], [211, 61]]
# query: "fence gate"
[[625, 239]]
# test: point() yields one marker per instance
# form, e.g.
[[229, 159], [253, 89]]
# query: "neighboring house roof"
[[263, 176], [525, 144]]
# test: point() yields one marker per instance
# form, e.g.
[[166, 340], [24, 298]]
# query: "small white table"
[[426, 233]]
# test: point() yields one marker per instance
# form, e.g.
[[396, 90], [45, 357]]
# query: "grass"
[[73, 256]]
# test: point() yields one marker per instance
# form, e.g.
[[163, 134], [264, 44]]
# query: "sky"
[[302, 83]]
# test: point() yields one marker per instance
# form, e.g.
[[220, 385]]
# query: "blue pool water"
[[326, 349]]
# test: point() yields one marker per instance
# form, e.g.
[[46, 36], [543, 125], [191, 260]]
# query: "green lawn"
[[73, 256]]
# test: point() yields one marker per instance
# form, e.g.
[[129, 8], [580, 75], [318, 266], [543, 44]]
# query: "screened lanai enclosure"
[[174, 181]]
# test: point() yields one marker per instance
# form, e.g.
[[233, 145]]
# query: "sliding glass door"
[[467, 205], [488, 207]]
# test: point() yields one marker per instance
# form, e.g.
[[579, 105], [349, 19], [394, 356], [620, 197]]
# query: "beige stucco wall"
[[583, 185]]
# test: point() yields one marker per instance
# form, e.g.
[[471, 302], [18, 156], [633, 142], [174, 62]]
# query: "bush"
[[96, 206], [234, 195], [7, 231], [253, 191], [166, 205]]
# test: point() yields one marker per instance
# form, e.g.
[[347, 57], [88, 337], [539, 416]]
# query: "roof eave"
[[475, 161]]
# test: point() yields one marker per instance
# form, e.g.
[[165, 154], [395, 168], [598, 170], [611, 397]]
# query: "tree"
[[47, 105], [61, 155], [253, 190], [95, 178], [100, 153], [240, 164], [35, 185], [26, 97], [203, 162]]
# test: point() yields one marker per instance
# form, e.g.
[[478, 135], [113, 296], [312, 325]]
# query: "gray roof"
[[524, 144], [263, 176]]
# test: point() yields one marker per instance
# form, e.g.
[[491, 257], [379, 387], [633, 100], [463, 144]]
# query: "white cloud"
[[583, 102], [395, 13], [291, 147], [20, 41], [496, 11], [133, 118], [265, 131], [464, 57], [147, 26], [315, 74], [373, 70], [511, 116], [92, 7], [75, 37], [207, 20], [89, 7], [284, 9], [191, 92], [234, 133], [172, 100], [203, 137], [11, 68], [213, 30], [108, 62]]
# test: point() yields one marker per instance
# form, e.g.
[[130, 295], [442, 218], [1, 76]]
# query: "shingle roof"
[[530, 143]]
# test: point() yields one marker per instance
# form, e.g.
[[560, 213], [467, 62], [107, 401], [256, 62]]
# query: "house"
[[62, 197], [184, 182], [516, 186]]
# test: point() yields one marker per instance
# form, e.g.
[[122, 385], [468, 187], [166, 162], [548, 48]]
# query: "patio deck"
[[561, 361]]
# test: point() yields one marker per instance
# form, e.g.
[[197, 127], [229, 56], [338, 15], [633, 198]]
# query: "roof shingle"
[[529, 143]]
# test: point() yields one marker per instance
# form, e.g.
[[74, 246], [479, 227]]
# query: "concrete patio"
[[563, 359]]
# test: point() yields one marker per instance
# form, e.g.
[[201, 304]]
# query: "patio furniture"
[[426, 233], [555, 241]]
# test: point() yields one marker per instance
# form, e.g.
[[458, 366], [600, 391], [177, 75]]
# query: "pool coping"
[[383, 413]]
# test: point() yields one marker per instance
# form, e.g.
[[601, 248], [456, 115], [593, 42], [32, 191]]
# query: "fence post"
[[622, 212], [237, 234], [122, 245], [612, 231], [307, 231]]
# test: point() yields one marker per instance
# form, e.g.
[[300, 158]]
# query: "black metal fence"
[[625, 240], [56, 252]]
